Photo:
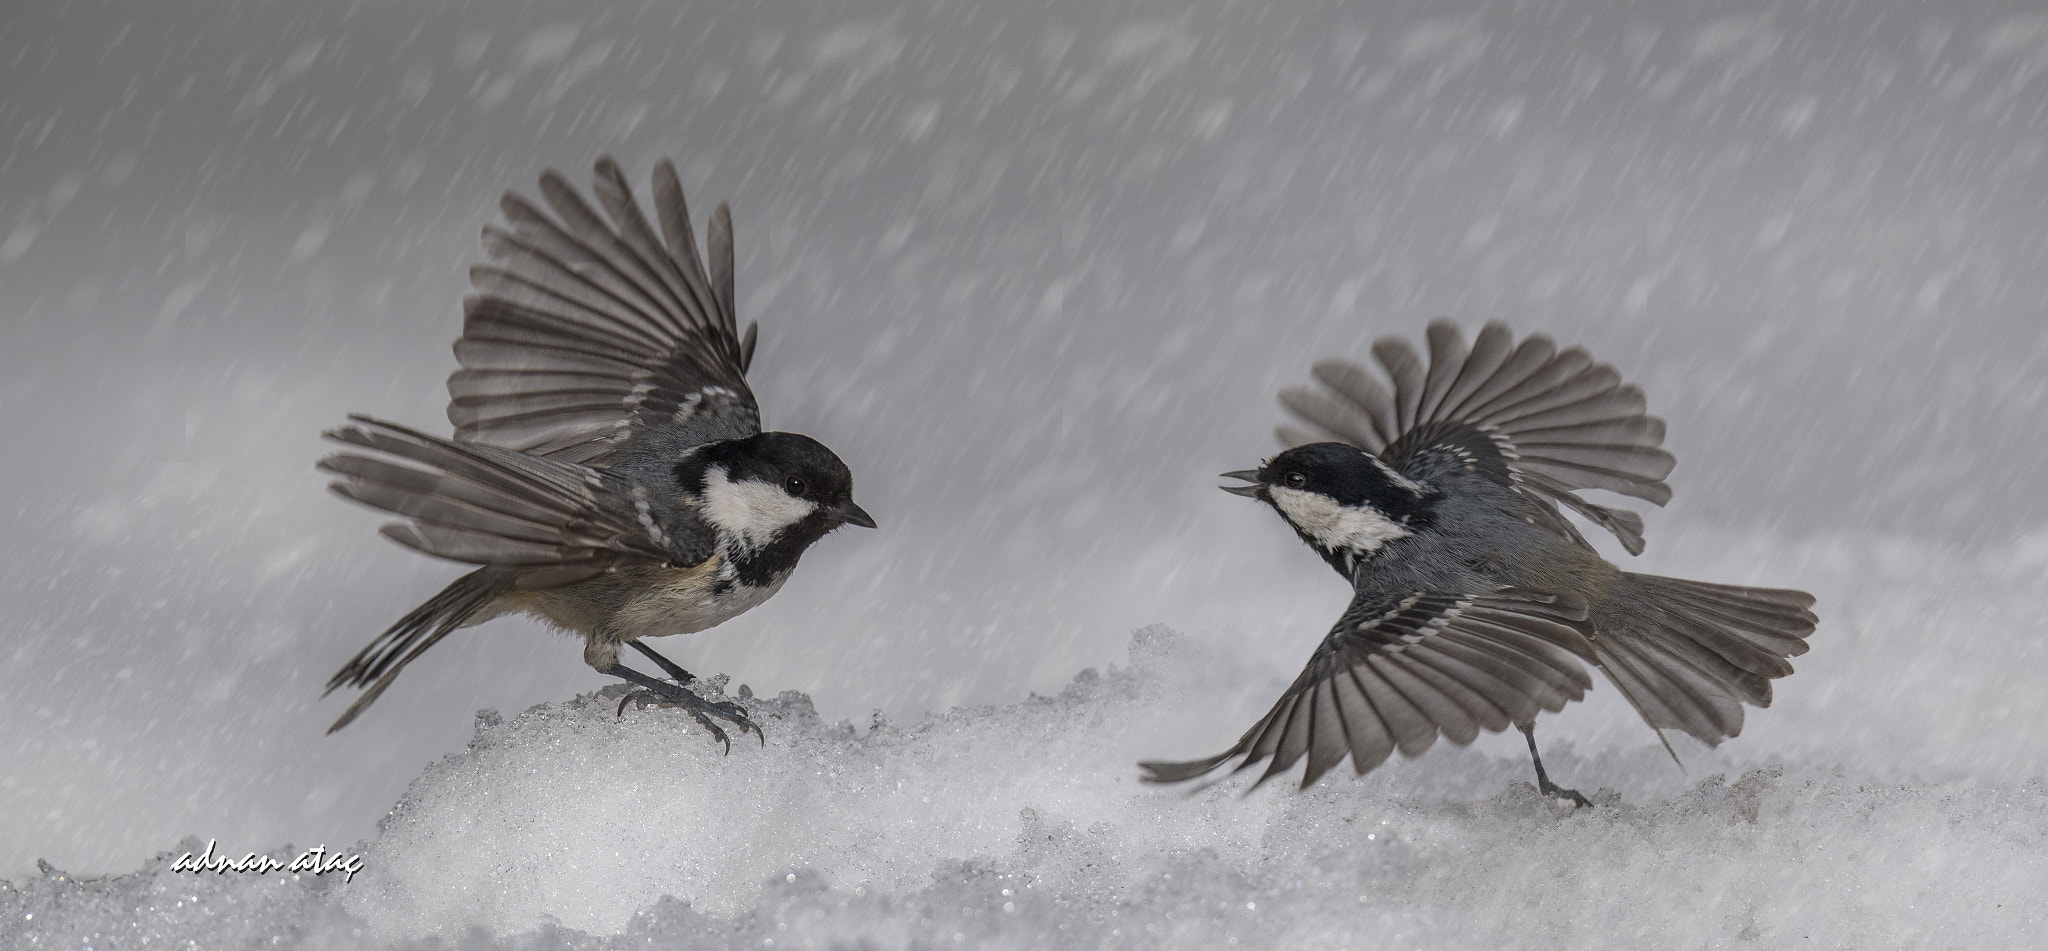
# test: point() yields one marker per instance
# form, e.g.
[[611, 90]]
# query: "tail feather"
[[379, 664], [1671, 693], [1736, 659], [1773, 632], [1688, 654]]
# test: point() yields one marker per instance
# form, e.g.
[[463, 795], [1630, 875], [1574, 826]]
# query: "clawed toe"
[[700, 709], [727, 710], [642, 697], [716, 733]]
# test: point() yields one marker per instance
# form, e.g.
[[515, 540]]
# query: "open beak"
[[852, 514], [1248, 491]]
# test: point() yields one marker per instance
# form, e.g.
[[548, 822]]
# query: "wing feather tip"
[[1165, 771]]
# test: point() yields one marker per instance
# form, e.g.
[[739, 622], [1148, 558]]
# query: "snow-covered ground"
[[1035, 271], [1891, 798]]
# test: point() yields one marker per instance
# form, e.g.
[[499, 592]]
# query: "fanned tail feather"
[[1688, 654]]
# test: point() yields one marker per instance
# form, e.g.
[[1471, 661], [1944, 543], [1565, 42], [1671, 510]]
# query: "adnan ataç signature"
[[316, 860]]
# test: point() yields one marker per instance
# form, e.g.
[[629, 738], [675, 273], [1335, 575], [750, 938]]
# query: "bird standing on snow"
[[608, 469], [1476, 601]]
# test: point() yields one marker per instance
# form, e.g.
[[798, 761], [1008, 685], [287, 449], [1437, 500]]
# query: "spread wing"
[[490, 506], [584, 334], [1544, 421], [1398, 670]]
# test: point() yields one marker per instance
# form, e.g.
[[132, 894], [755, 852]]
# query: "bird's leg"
[[1543, 783], [669, 694], [671, 667]]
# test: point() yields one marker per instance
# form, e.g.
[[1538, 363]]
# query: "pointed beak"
[[1247, 475], [852, 514]]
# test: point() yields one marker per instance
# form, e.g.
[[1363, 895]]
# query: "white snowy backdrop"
[[1035, 273]]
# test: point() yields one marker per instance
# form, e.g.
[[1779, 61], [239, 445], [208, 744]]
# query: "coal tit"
[[1476, 603], [608, 468]]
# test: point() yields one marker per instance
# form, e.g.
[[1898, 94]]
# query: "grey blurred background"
[[1033, 271]]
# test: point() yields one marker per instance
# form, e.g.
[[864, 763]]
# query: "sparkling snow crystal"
[[1024, 827]]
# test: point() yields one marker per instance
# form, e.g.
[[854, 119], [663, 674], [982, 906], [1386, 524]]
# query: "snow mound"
[[1025, 827]]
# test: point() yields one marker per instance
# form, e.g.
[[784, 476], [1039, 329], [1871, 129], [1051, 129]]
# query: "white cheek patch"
[[1333, 525], [751, 511]]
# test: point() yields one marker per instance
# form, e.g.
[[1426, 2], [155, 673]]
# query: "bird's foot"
[[1555, 791], [676, 695]]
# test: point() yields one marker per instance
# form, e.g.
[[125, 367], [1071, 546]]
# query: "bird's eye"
[[1295, 480], [795, 486]]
